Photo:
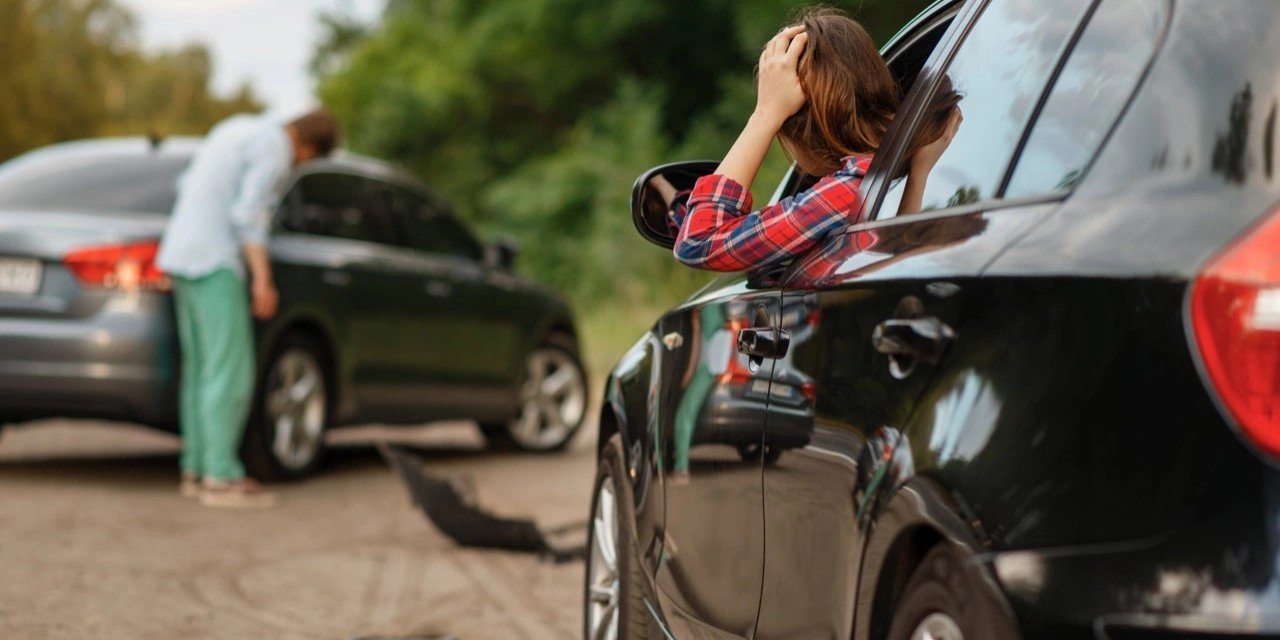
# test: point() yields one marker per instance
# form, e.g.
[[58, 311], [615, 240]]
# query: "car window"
[[1101, 74], [1000, 70], [92, 181], [428, 226], [336, 205]]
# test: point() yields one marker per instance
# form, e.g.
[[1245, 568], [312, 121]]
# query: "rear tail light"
[[128, 267], [1235, 317]]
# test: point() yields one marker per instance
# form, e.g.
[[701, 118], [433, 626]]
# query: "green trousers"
[[216, 334]]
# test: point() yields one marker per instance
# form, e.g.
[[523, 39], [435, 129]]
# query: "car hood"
[[51, 234]]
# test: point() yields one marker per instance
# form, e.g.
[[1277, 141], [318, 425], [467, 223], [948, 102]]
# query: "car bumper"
[[731, 417], [1216, 576], [117, 364]]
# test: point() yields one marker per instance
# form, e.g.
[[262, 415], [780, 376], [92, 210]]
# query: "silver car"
[[390, 309]]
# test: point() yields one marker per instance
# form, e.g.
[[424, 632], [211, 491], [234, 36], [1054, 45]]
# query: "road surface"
[[95, 542]]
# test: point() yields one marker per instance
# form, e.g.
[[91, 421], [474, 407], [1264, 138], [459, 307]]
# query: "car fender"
[[314, 320], [918, 514]]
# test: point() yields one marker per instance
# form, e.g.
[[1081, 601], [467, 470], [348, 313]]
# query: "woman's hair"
[[851, 96]]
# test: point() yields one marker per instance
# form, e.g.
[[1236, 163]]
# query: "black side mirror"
[[657, 190], [501, 255]]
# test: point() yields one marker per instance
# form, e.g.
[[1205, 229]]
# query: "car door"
[[468, 342], [339, 239], [710, 413], [872, 312]]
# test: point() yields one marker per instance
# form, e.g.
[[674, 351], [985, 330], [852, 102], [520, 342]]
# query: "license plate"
[[760, 386], [19, 277]]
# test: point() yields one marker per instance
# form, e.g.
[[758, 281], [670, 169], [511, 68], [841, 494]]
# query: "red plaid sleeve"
[[718, 233]]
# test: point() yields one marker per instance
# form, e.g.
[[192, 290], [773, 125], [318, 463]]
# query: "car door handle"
[[336, 278], [761, 344], [924, 339], [437, 288]]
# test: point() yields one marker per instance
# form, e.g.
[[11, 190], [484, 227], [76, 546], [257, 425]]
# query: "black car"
[[1047, 406], [390, 310]]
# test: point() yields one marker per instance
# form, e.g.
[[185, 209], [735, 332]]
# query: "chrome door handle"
[[762, 344], [911, 341], [336, 278], [438, 288], [924, 338]]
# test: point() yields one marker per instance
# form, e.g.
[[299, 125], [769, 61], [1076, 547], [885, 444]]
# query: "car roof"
[[177, 146]]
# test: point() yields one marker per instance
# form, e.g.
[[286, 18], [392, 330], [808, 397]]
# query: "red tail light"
[[122, 266], [1235, 316]]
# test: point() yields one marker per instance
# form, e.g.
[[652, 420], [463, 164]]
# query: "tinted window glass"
[[338, 206], [429, 227], [1001, 70], [92, 182], [1094, 85]]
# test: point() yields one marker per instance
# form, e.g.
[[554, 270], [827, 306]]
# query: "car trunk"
[[35, 280]]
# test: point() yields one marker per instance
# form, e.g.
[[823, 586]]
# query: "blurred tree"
[[73, 69], [535, 117]]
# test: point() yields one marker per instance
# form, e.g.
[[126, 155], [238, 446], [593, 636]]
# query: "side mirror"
[[656, 190], [501, 255]]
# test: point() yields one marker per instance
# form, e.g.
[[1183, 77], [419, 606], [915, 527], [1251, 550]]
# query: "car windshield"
[[92, 182]]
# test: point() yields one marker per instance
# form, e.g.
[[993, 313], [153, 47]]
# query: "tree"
[[73, 69], [535, 117]]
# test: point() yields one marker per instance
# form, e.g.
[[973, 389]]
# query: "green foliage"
[[536, 117], [72, 69]]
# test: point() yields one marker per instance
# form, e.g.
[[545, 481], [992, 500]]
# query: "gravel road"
[[96, 543]]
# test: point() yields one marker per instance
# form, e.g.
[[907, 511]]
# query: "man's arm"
[[261, 284], [251, 216]]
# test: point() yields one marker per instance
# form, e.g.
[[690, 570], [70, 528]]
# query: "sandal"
[[236, 494]]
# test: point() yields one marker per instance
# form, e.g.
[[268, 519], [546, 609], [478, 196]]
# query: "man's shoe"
[[189, 486], [236, 494]]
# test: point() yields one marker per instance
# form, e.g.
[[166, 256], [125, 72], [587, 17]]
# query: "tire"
[[284, 439], [549, 416], [948, 597], [617, 590]]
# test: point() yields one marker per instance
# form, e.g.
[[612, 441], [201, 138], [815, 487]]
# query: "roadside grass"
[[607, 332]]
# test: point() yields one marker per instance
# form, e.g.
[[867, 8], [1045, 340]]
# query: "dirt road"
[[96, 543]]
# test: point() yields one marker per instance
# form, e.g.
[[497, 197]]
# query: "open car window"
[[906, 61]]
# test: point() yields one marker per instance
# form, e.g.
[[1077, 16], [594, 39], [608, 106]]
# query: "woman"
[[828, 96]]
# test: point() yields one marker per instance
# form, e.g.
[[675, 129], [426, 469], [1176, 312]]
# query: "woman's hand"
[[779, 94], [927, 157]]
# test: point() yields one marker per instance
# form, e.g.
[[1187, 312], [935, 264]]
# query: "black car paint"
[[1066, 440]]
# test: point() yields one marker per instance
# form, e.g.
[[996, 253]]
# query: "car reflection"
[[728, 400]]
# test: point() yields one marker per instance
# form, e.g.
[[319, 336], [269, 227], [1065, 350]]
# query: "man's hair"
[[318, 129]]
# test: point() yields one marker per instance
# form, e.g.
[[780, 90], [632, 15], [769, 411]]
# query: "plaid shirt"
[[716, 231]]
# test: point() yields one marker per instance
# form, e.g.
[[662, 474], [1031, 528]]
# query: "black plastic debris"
[[456, 514]]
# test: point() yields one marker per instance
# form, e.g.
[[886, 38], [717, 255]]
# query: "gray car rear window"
[[92, 182]]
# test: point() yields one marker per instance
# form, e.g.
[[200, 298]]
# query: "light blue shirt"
[[226, 197]]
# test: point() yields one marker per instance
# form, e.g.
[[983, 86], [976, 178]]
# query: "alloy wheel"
[[553, 400], [937, 626], [295, 408], [603, 580]]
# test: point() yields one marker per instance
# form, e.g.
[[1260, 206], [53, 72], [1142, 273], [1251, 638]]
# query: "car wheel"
[[285, 436], [614, 598], [752, 453], [947, 599], [553, 400]]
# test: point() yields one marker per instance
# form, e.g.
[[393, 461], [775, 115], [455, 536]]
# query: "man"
[[219, 225]]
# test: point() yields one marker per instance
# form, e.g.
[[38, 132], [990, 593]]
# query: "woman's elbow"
[[692, 255]]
